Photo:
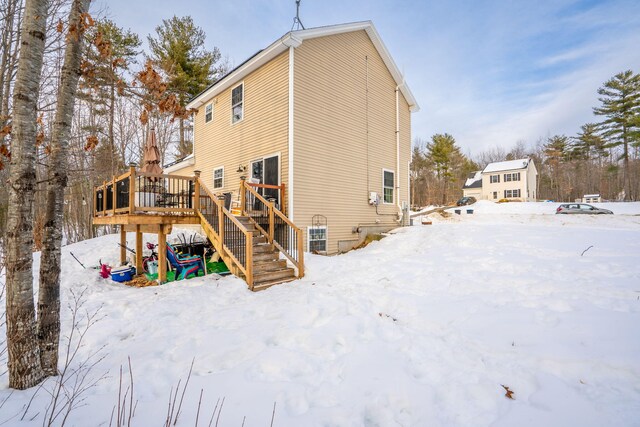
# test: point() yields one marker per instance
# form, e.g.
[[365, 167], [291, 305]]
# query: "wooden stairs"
[[264, 255], [268, 268]]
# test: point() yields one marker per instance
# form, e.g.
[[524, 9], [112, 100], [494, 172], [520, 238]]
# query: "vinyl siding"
[[344, 137], [262, 131]]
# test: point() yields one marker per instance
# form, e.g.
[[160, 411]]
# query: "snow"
[[421, 328], [477, 176], [506, 165]]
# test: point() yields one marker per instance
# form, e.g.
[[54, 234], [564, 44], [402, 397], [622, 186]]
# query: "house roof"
[[474, 180], [295, 39], [507, 165]]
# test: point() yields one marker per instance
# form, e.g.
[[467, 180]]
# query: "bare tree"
[[49, 291], [24, 359]]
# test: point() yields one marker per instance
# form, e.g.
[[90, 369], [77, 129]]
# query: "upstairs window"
[[512, 177], [494, 179], [208, 113], [237, 103], [218, 178], [387, 186]]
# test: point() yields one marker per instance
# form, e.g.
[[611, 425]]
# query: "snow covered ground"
[[419, 329]]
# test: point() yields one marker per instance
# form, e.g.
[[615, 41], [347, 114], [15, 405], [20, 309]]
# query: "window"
[[237, 103], [218, 177], [208, 113], [511, 177], [494, 178], [512, 193], [495, 194], [387, 186], [317, 238]]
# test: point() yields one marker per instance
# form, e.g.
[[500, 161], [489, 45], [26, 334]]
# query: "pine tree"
[[445, 156], [178, 50], [620, 98]]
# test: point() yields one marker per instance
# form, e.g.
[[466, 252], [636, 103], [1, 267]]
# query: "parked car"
[[581, 208], [466, 201]]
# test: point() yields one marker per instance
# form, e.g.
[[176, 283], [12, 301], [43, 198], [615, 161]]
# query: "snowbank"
[[421, 328]]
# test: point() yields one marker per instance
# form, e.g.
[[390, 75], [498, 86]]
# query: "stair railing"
[[280, 230], [229, 235]]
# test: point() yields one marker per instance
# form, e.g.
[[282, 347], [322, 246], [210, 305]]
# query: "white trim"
[[213, 176], [241, 103], [326, 236], [392, 188], [295, 39], [187, 161], [290, 138]]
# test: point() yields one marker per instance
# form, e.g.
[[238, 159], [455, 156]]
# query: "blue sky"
[[489, 72]]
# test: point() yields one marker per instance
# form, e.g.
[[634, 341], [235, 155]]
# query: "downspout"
[[397, 177]]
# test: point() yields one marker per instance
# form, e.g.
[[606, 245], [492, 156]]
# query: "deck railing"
[[134, 192], [226, 230], [274, 224]]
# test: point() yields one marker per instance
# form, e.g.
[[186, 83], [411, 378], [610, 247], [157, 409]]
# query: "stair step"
[[264, 285], [262, 248], [259, 267], [259, 239], [265, 256], [269, 276]]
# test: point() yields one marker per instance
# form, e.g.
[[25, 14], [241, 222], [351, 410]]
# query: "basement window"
[[317, 238]]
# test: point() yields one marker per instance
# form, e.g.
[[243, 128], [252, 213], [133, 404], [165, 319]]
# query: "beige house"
[[323, 114], [512, 180]]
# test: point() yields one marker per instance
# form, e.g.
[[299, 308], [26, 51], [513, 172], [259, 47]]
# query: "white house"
[[512, 180]]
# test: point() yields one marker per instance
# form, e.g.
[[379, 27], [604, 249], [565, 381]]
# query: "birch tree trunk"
[[22, 344], [49, 290]]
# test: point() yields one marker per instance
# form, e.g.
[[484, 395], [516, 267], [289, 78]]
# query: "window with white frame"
[[317, 238], [218, 178], [237, 103], [388, 182], [208, 113], [511, 193], [512, 177], [494, 178]]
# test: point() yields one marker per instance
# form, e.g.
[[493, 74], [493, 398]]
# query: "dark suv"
[[466, 201]]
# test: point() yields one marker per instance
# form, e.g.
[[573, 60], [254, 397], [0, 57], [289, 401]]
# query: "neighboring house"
[[324, 111], [511, 180], [591, 198], [473, 185]]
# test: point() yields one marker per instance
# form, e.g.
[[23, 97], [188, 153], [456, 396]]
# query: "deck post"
[[196, 191], [123, 244], [132, 189], [300, 254], [271, 220], [162, 255], [219, 204], [249, 258], [139, 267], [283, 201], [243, 195], [113, 196], [104, 198]]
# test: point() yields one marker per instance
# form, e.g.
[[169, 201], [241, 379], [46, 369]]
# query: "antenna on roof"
[[297, 23]]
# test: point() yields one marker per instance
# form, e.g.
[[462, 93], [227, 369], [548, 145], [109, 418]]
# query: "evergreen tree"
[[620, 98], [178, 50], [445, 156], [556, 151]]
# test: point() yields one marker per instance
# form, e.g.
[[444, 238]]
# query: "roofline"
[[295, 39], [528, 159]]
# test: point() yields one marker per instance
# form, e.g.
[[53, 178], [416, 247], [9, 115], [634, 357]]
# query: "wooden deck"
[[250, 243]]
